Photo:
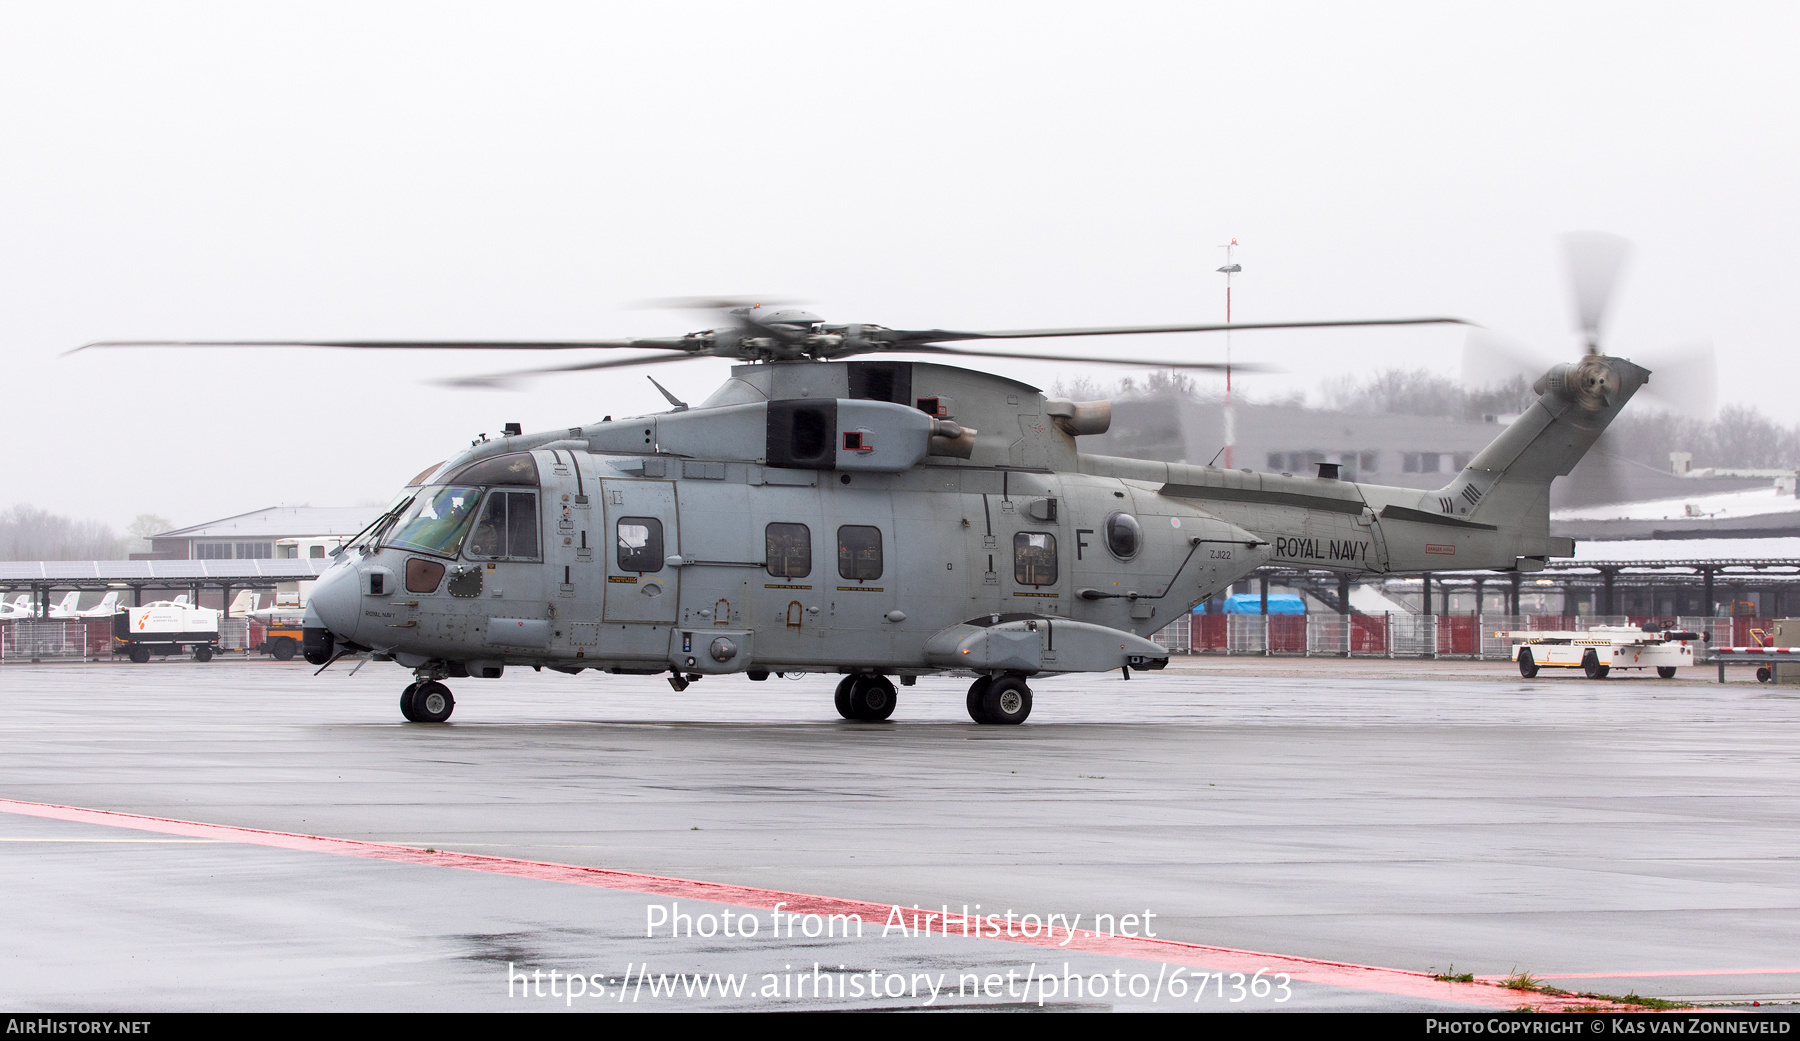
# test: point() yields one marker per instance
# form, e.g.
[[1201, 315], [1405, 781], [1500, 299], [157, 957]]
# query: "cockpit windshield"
[[436, 520], [369, 536]]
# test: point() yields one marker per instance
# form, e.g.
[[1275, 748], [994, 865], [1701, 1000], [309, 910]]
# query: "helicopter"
[[824, 511]]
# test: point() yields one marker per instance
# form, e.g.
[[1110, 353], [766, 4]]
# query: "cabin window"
[[859, 552], [640, 544], [1034, 558], [1123, 535], [508, 527], [788, 549]]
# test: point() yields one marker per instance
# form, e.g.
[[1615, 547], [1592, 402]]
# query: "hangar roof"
[[275, 522]]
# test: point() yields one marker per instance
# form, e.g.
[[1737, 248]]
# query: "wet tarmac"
[[1614, 836]]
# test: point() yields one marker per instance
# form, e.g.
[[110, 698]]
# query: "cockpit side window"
[[508, 528]]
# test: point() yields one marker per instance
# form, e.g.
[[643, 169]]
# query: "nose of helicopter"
[[336, 599]]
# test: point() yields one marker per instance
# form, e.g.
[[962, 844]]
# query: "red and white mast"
[[1230, 268]]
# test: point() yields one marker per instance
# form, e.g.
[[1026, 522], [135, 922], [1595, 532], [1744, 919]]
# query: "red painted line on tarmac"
[[1638, 975], [1485, 993]]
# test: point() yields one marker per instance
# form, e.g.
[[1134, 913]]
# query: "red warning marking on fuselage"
[[1373, 978]]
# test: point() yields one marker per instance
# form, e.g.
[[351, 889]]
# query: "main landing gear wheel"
[[432, 703], [1590, 664], [842, 698], [1667, 672], [871, 699], [406, 702], [1007, 700], [977, 691], [1528, 666]]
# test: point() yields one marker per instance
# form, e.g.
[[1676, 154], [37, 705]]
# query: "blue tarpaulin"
[[1251, 603]]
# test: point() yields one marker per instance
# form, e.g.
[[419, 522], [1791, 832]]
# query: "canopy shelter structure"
[[44, 577], [1639, 577]]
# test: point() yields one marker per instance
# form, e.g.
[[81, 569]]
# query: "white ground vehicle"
[[166, 627], [1600, 650]]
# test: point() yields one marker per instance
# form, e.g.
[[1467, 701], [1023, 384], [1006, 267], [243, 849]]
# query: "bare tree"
[[28, 533]]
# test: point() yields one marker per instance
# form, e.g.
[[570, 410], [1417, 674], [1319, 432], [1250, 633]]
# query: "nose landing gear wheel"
[[1527, 664], [871, 699], [432, 703], [406, 702], [1007, 700], [1590, 664]]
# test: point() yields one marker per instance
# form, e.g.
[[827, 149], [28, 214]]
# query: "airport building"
[[274, 532]]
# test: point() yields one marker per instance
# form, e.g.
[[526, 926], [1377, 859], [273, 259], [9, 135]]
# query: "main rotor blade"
[[1158, 363], [1490, 360], [1595, 260], [708, 303], [951, 335], [500, 380], [666, 343]]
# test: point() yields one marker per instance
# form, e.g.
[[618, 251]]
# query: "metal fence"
[[1406, 635], [90, 639], [1324, 635]]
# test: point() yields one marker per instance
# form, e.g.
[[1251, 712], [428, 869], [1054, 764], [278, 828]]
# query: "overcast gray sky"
[[518, 170]]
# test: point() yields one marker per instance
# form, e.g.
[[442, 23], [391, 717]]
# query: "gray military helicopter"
[[882, 518]]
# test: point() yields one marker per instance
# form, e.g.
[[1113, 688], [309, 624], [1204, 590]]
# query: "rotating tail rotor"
[[1686, 377]]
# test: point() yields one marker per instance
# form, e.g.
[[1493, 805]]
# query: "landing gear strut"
[[865, 699], [999, 700], [426, 701]]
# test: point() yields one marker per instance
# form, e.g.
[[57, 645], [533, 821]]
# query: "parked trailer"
[[166, 628], [1600, 650]]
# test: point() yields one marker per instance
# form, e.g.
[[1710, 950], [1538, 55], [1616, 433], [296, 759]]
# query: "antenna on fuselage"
[[680, 405]]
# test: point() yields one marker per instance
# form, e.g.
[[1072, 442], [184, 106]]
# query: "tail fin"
[[70, 604], [1507, 485], [242, 604], [180, 601]]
